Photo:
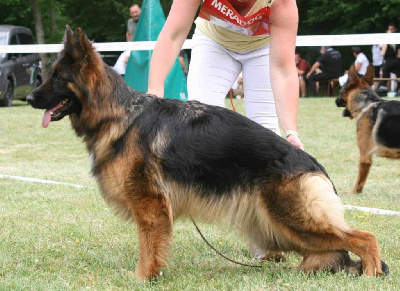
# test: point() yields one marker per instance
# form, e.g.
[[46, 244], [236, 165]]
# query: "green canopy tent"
[[150, 23]]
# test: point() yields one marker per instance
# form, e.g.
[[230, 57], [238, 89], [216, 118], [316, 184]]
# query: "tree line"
[[105, 21]]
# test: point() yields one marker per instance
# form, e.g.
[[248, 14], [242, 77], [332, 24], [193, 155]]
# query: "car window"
[[3, 39], [13, 41], [25, 38]]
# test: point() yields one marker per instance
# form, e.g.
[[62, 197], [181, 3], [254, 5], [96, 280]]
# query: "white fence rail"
[[301, 41]]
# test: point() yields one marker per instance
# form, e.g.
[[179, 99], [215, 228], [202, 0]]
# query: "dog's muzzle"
[[31, 99], [340, 102]]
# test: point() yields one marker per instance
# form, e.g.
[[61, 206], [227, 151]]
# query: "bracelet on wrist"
[[291, 132]]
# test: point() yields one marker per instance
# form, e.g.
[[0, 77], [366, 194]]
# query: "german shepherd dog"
[[378, 122], [158, 159]]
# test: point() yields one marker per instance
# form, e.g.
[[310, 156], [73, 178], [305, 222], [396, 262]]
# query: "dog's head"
[[356, 92], [71, 79]]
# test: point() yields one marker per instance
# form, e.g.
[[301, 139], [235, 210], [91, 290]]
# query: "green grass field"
[[57, 237]]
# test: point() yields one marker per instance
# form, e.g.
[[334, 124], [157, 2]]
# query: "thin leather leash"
[[202, 236], [222, 255]]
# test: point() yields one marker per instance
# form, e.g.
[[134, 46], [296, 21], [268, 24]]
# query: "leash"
[[233, 106], [202, 236], [222, 255]]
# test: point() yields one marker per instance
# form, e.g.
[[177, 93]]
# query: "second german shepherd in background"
[[378, 122], [158, 159]]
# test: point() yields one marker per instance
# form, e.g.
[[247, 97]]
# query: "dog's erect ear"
[[67, 34], [82, 42], [76, 44], [353, 75], [369, 75]]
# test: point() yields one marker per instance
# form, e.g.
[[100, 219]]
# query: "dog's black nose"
[[340, 102], [30, 98]]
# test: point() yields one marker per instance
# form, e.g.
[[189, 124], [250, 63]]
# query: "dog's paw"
[[271, 256], [353, 191]]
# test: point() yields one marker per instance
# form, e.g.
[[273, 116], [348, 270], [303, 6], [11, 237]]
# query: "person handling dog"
[[256, 37]]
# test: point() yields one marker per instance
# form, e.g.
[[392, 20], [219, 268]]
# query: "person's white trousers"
[[213, 69]]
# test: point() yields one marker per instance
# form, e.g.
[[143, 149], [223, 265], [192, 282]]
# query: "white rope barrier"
[[34, 180], [301, 41], [348, 207]]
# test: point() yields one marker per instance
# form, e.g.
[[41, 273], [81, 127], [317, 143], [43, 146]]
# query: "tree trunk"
[[37, 15], [53, 29]]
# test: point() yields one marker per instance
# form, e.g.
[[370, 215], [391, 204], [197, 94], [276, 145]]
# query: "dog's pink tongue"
[[46, 118]]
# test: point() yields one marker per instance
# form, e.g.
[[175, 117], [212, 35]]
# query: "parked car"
[[20, 73]]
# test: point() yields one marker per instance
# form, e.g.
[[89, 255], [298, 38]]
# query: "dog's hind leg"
[[314, 224], [331, 261], [362, 243]]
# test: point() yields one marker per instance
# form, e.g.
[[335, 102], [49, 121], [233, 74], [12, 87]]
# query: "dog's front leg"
[[365, 146], [153, 217], [364, 164]]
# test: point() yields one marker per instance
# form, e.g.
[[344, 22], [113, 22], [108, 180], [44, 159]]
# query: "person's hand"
[[295, 140]]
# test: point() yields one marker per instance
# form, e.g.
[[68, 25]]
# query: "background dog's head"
[[71, 81], [356, 92]]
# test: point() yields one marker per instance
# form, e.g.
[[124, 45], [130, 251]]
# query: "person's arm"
[[284, 78], [300, 72], [313, 69], [383, 49], [358, 66], [169, 43], [128, 36]]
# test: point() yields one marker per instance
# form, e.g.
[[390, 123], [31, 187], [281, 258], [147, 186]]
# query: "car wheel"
[[7, 101]]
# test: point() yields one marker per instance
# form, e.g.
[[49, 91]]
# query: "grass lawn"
[[57, 237]]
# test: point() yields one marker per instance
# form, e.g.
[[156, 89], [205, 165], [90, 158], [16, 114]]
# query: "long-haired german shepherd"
[[158, 159], [378, 122]]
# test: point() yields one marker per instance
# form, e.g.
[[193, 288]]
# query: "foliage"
[[106, 20], [338, 16], [103, 21]]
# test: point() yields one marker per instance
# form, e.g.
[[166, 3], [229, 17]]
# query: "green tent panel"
[[150, 23]]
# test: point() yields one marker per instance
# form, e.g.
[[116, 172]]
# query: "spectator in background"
[[361, 61], [303, 67], [377, 61], [361, 64], [237, 87], [120, 64], [391, 55], [135, 11], [328, 66]]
